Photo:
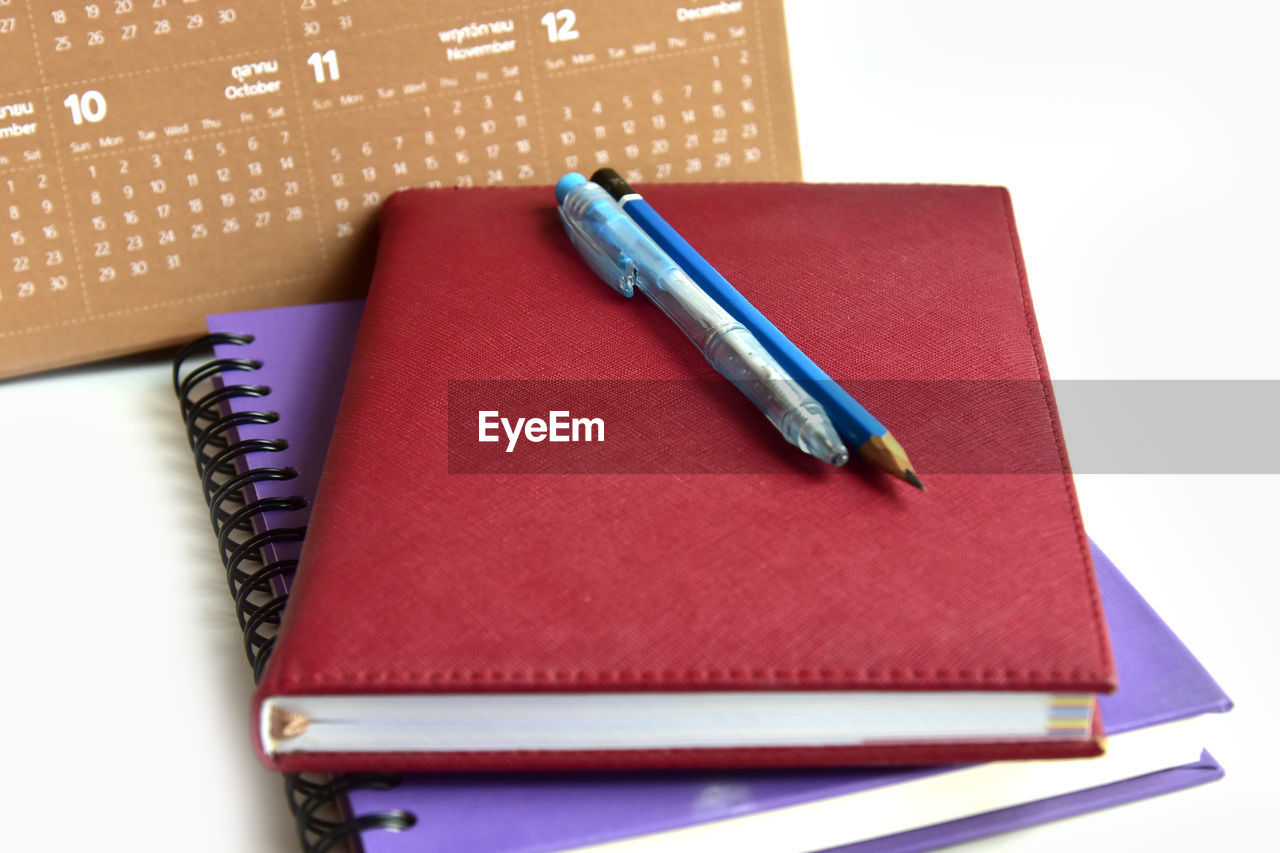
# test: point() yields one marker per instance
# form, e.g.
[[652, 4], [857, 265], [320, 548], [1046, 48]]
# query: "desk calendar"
[[165, 159]]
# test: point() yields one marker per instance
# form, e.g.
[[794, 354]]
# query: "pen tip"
[[910, 477]]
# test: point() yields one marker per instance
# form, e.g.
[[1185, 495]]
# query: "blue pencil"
[[858, 427]]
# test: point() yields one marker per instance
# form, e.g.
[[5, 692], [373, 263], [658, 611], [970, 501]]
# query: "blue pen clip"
[[616, 268]]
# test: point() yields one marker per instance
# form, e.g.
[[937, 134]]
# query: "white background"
[[1139, 142]]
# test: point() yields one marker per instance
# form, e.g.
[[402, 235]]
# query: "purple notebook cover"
[[305, 351]]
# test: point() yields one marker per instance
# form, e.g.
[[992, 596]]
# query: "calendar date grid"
[[668, 130], [33, 233], [67, 31], [178, 196], [417, 98], [314, 33], [647, 59], [147, 147], [765, 99], [194, 298], [122, 238], [57, 274]]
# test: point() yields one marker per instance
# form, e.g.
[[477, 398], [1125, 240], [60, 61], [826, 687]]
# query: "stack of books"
[[675, 630]]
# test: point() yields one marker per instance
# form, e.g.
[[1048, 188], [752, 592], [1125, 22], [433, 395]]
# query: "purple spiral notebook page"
[[304, 352]]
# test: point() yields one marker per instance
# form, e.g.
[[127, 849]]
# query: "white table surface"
[[1139, 141]]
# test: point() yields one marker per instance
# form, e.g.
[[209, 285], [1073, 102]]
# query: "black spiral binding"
[[203, 392]]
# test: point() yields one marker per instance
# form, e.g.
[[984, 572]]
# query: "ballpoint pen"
[[619, 252], [864, 433]]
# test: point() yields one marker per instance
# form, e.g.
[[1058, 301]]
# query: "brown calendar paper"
[[165, 159]]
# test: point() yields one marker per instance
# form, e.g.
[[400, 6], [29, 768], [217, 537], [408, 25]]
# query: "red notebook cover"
[[693, 549]]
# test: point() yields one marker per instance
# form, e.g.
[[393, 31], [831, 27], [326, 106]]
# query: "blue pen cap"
[[592, 219], [568, 184]]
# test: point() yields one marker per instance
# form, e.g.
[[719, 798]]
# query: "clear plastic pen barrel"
[[738, 356], [624, 256]]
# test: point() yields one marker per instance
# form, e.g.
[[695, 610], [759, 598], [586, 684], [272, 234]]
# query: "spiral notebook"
[[259, 414]]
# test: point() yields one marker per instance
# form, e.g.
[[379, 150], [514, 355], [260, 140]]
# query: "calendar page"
[[165, 159]]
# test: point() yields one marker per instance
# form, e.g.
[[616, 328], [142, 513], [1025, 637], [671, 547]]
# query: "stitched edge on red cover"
[[1069, 489]]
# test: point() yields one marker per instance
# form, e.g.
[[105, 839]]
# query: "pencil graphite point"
[[884, 452]]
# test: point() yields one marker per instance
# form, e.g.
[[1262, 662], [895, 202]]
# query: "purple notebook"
[[304, 352]]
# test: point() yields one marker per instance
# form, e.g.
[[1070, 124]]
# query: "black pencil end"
[[612, 182]]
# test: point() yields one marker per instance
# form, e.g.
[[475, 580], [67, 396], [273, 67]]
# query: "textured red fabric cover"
[[416, 580]]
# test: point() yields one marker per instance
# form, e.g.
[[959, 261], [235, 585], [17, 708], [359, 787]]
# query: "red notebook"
[[681, 587]]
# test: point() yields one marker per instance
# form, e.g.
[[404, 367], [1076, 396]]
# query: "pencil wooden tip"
[[884, 452]]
